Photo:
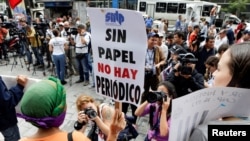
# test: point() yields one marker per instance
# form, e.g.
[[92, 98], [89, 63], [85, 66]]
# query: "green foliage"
[[236, 6]]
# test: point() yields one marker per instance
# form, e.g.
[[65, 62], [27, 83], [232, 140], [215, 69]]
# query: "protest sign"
[[11, 81], [119, 43], [206, 105]]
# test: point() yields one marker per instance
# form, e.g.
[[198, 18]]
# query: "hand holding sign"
[[22, 80]]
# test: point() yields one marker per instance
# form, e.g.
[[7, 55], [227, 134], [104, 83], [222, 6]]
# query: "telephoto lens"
[[155, 96]]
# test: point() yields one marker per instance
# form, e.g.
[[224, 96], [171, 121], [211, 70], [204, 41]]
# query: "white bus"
[[171, 9]]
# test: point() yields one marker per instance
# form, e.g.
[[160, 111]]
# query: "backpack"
[[90, 45], [128, 133]]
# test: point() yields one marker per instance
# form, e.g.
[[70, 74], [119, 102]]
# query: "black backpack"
[[125, 135], [128, 133]]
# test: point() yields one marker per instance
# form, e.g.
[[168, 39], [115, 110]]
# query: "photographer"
[[40, 29], [23, 41], [35, 43], [173, 60], [98, 117], [94, 114], [158, 106], [3, 47], [185, 77], [69, 33]]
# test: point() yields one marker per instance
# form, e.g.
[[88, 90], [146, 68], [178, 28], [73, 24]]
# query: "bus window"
[[206, 10], [182, 8], [142, 7], [172, 7], [161, 7]]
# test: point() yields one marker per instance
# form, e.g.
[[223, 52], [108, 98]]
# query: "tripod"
[[15, 55]]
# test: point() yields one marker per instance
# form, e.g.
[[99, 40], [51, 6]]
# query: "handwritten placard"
[[205, 105]]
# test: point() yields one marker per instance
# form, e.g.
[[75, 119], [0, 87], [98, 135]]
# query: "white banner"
[[119, 44], [206, 105], [11, 81]]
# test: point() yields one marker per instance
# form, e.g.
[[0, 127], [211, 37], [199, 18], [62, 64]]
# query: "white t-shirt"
[[218, 41], [58, 45], [164, 49], [82, 48]]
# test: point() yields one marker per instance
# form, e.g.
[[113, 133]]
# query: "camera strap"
[[69, 136], [155, 127]]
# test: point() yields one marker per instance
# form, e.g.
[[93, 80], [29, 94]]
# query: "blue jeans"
[[11, 133], [91, 69], [38, 55], [90, 62], [212, 18], [60, 62], [83, 67]]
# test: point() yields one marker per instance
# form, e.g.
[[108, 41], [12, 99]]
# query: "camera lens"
[[91, 113], [155, 96]]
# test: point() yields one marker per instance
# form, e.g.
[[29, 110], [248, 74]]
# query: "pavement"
[[17, 67]]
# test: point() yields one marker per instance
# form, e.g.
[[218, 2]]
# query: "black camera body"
[[154, 96], [12, 26], [185, 59], [91, 113], [40, 25], [72, 31]]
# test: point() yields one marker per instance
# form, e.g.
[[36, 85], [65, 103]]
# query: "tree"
[[236, 6]]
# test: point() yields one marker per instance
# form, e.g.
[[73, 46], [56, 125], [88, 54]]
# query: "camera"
[[155, 96], [40, 25], [185, 59], [12, 26], [72, 31], [91, 113]]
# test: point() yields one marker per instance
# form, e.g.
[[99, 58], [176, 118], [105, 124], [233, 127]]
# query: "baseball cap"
[[61, 23], [152, 34], [177, 49], [160, 35], [246, 32]]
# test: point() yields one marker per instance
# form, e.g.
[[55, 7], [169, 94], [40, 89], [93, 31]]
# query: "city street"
[[26, 129]]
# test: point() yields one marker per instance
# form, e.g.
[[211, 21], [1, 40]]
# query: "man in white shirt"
[[220, 39], [82, 40]]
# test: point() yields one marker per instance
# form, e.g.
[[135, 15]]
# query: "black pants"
[[3, 51], [125, 110]]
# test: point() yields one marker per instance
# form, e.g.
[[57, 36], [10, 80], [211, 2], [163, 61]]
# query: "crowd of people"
[[194, 57]]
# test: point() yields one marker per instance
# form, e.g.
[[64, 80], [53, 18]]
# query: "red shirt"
[[3, 33]]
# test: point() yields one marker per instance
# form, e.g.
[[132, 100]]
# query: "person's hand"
[[22, 80], [118, 122], [82, 118], [175, 69], [82, 32], [157, 65], [166, 104]]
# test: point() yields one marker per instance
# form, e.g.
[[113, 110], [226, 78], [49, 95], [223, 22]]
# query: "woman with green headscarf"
[[44, 106]]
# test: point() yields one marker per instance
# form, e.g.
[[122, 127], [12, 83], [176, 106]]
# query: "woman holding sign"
[[158, 106], [233, 71]]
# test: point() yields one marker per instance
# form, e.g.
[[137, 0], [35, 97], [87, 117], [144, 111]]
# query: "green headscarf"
[[46, 98]]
